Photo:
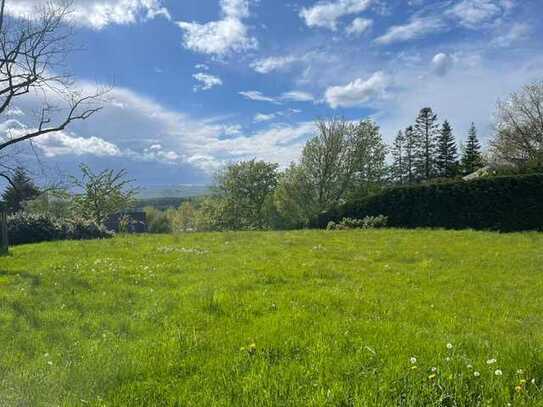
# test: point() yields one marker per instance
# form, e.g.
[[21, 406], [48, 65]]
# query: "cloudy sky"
[[196, 84]]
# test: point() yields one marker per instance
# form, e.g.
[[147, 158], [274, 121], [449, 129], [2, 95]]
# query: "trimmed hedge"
[[507, 204], [27, 228]]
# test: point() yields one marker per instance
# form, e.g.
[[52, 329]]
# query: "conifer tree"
[[409, 159], [472, 159], [398, 153], [447, 153], [426, 131], [20, 189]]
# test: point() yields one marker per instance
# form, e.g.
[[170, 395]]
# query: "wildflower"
[[469, 367], [449, 346], [476, 374], [498, 372], [520, 371], [413, 360], [491, 361], [50, 363], [533, 381], [518, 389], [434, 369]]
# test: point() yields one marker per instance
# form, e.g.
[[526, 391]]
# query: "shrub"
[[369, 222], [157, 221], [513, 203], [34, 228]]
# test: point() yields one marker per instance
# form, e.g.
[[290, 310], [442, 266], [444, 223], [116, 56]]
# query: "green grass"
[[308, 318]]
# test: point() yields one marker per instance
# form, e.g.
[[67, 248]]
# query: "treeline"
[[347, 162]]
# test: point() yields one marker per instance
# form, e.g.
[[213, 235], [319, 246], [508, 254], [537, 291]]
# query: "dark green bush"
[[34, 228], [513, 203]]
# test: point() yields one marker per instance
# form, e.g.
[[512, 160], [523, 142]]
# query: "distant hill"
[[172, 191], [171, 196]]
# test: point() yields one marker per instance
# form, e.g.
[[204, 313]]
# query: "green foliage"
[[57, 204], [494, 203], [245, 188], [343, 160], [472, 159], [31, 228], [157, 221], [305, 318], [447, 153], [369, 222], [20, 190], [103, 194], [426, 131]]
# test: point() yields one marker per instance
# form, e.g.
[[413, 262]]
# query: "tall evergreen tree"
[[426, 129], [398, 155], [447, 153], [410, 146], [21, 189], [472, 159]]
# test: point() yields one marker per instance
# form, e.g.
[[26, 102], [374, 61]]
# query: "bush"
[[157, 221], [513, 203], [34, 228], [369, 222]]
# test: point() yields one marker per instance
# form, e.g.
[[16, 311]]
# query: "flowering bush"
[[33, 228], [369, 222]]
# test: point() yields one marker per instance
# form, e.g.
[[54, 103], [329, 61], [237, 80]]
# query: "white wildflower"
[[498, 372], [413, 360], [491, 361]]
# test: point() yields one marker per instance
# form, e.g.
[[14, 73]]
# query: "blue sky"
[[196, 84]]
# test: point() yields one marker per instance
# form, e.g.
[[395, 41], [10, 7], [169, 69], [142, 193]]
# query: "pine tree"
[[20, 190], [398, 164], [410, 149], [426, 131], [447, 153], [472, 159]]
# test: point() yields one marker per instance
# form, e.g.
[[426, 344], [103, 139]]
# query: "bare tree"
[[519, 127], [32, 53]]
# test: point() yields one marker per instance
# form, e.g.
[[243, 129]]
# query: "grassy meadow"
[[306, 318]]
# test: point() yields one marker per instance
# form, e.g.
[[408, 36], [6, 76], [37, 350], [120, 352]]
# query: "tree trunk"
[[3, 233]]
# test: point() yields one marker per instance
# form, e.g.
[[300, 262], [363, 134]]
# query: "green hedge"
[[28, 228], [513, 203]]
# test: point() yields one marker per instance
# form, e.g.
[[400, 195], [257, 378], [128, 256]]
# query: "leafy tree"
[[246, 188], [344, 160], [447, 152], [426, 131], [519, 128], [20, 189], [472, 159], [103, 194]]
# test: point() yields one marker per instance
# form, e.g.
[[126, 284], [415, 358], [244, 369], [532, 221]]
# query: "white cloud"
[[262, 117], [270, 64], [207, 81], [442, 63], [221, 37], [63, 143], [517, 32], [472, 13], [359, 26], [297, 96], [95, 14], [291, 96], [325, 14], [258, 96], [358, 92], [416, 28]]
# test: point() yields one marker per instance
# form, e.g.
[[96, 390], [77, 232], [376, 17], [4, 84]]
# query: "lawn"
[[310, 318]]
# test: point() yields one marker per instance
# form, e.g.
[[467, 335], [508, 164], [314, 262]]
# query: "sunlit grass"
[[316, 318]]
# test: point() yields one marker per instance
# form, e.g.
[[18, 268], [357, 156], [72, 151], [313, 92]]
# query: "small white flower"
[[476, 374], [434, 369], [470, 367], [520, 371], [449, 346], [533, 381], [50, 363], [498, 372], [448, 359], [413, 360], [491, 361]]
